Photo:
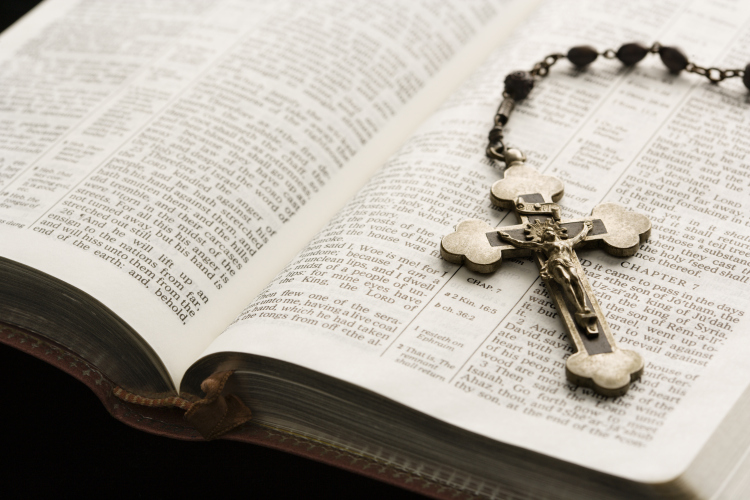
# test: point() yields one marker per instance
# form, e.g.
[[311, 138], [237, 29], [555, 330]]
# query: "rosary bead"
[[673, 59], [518, 84], [631, 53], [582, 55], [746, 77]]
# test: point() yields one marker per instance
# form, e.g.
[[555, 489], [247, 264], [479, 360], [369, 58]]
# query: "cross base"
[[609, 374]]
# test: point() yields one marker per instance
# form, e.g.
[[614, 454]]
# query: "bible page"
[[169, 158], [371, 302]]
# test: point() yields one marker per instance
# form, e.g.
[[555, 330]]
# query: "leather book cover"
[[229, 459]]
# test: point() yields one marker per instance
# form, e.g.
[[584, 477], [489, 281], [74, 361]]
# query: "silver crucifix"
[[598, 363]]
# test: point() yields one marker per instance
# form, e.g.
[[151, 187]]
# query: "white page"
[[170, 158], [371, 302]]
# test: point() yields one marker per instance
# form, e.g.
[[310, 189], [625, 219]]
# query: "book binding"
[[168, 420]]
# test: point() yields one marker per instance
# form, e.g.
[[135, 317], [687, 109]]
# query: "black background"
[[57, 439]]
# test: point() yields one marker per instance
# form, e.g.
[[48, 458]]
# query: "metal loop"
[[493, 154], [540, 69], [694, 68], [496, 134], [552, 59], [715, 75], [609, 54], [655, 48], [733, 73]]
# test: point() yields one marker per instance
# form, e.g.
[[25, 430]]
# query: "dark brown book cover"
[[62, 442]]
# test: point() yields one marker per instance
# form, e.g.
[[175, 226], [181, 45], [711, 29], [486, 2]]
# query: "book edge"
[[169, 422]]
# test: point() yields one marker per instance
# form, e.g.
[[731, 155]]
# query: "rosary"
[[597, 363]]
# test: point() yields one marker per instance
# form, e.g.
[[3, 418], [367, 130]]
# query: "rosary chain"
[[541, 68], [519, 84], [715, 75]]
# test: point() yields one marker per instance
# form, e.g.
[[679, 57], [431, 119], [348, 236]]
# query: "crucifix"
[[597, 363]]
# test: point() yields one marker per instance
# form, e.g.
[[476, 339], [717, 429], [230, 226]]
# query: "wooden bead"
[[746, 77], [673, 58], [631, 53], [518, 84], [582, 55]]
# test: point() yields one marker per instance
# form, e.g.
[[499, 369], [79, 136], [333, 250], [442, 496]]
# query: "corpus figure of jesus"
[[559, 260]]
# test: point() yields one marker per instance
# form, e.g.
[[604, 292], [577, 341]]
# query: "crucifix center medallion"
[[541, 233]]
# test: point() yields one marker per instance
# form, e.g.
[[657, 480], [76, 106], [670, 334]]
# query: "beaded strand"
[[519, 84]]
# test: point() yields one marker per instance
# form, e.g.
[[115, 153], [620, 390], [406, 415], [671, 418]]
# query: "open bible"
[[190, 188]]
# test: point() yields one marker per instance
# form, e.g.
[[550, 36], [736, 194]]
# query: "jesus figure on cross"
[[598, 362], [546, 239]]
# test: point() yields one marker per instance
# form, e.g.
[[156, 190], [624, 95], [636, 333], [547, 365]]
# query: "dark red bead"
[[518, 84], [631, 53], [582, 56], [673, 58], [746, 77]]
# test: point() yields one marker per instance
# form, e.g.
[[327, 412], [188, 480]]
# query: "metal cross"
[[598, 363]]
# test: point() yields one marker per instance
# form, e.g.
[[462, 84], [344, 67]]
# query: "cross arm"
[[531, 245], [478, 246], [623, 230], [572, 227], [587, 227], [615, 229]]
